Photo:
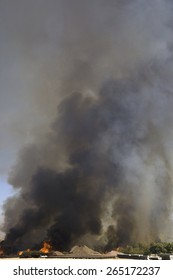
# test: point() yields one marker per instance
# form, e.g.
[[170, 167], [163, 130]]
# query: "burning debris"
[[20, 253], [47, 248], [101, 175]]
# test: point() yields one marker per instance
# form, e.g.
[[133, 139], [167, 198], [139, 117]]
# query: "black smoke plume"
[[102, 173]]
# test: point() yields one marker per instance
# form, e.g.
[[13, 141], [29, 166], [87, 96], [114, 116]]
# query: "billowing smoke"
[[102, 172]]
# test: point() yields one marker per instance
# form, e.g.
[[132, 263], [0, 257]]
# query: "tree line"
[[153, 248]]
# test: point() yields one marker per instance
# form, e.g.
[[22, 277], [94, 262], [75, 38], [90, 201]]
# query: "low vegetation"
[[153, 248]]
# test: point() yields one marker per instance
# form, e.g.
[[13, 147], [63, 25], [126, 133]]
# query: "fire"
[[46, 247], [21, 252]]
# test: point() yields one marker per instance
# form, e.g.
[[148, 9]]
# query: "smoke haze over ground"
[[90, 96]]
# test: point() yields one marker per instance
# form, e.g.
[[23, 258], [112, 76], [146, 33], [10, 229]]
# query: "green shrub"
[[153, 248]]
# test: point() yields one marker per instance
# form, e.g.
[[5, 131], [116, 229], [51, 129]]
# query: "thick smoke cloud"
[[101, 173]]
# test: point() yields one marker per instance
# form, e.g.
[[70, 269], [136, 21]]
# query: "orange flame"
[[21, 252], [46, 247]]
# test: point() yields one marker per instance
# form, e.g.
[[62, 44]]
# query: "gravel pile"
[[83, 251]]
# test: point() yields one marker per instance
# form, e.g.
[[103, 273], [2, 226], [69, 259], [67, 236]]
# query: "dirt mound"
[[57, 253], [83, 250], [112, 253]]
